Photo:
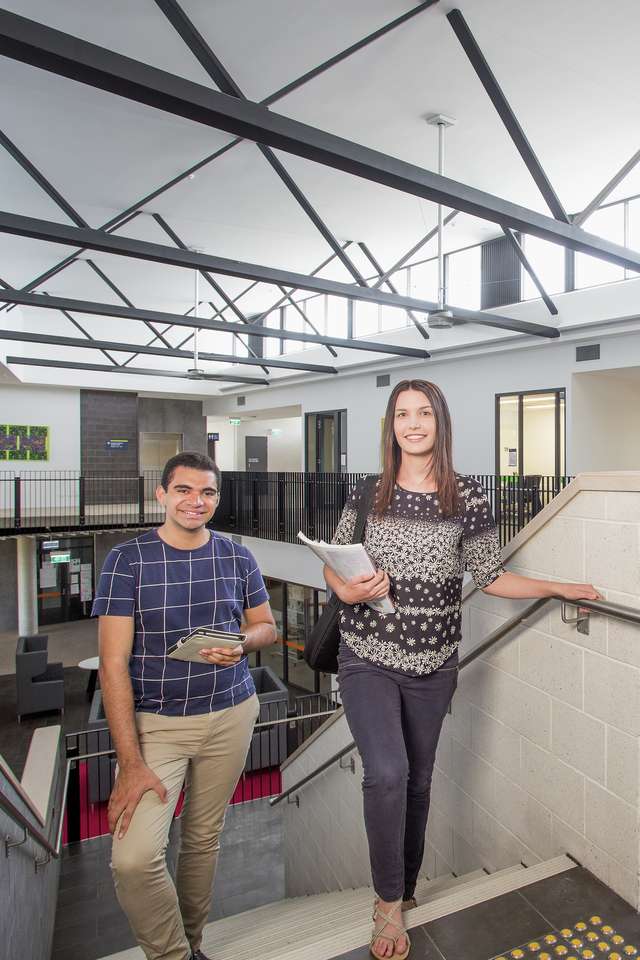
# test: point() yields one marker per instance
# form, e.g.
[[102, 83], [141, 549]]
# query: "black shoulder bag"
[[321, 644]]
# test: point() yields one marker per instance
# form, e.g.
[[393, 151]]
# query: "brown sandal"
[[409, 904], [379, 914]]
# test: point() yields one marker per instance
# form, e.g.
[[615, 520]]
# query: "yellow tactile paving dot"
[[579, 942]]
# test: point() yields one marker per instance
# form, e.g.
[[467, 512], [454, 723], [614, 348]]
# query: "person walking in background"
[[398, 672], [176, 721]]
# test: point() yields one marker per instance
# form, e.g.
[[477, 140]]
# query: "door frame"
[[338, 419], [560, 394]]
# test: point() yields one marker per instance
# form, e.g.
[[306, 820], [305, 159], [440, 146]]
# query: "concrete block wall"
[[540, 754], [325, 842]]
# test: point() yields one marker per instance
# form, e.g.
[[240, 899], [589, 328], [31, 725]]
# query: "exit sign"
[[60, 558]]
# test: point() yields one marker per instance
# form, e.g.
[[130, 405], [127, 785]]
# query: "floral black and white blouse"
[[425, 555]]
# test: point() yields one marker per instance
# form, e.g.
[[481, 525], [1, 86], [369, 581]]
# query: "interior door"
[[255, 454]]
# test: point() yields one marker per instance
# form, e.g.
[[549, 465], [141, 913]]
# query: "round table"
[[92, 664]]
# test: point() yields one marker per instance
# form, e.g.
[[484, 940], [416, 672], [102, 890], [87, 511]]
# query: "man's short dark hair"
[[194, 461]]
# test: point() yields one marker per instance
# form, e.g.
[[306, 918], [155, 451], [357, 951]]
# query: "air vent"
[[592, 352], [383, 380], [242, 401]]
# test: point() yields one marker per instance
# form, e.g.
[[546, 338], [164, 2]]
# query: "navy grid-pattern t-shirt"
[[170, 592]]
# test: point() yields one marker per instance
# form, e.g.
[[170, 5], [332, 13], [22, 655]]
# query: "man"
[[175, 721]]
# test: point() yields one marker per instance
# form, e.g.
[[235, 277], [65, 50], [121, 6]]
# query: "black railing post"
[[255, 520], [17, 504], [281, 501], [311, 488], [141, 499], [73, 796], [81, 500]]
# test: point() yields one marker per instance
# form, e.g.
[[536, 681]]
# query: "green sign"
[[234, 421], [60, 557]]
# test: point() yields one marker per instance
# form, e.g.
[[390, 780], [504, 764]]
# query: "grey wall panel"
[[156, 415], [8, 586]]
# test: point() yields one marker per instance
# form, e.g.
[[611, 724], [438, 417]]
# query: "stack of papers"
[[348, 560]]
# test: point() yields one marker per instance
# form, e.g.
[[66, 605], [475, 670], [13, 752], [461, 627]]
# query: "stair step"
[[322, 926]]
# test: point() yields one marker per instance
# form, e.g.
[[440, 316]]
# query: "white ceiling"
[[569, 70]]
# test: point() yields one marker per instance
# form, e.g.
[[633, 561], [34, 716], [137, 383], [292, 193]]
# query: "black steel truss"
[[135, 371], [157, 253], [376, 266], [120, 219], [23, 336], [52, 50], [127, 313], [414, 249], [215, 286], [225, 82], [508, 117], [524, 260]]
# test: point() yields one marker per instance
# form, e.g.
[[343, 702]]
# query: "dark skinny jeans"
[[395, 720]]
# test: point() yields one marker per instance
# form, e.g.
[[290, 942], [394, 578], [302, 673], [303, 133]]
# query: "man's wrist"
[[128, 763]]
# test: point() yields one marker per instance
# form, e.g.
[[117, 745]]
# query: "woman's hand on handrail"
[[515, 587], [358, 589]]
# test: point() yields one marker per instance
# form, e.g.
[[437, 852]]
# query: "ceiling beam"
[[506, 113], [157, 253], [625, 169], [41, 180], [127, 313], [225, 82], [23, 336], [118, 292], [524, 260], [124, 216], [215, 286], [62, 54], [376, 266], [136, 372]]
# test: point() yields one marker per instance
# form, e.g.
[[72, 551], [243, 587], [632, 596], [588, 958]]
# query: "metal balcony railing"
[[273, 506]]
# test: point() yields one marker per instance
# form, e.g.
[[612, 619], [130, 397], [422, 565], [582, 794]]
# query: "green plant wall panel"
[[23, 443]]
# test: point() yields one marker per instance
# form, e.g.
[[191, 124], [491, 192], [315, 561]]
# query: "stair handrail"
[[606, 607]]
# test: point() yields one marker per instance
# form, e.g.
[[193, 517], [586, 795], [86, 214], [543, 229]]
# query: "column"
[[27, 586]]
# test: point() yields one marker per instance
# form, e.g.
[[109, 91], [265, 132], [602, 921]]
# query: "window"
[[336, 314], [366, 318], [463, 278], [294, 322], [547, 261], [423, 280], [609, 224]]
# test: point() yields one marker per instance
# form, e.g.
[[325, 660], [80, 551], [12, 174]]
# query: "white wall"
[[285, 449], [470, 381], [55, 407], [606, 414]]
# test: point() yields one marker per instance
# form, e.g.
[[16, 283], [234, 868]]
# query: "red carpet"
[[93, 816]]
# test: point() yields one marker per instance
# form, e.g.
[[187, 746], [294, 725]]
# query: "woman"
[[397, 673]]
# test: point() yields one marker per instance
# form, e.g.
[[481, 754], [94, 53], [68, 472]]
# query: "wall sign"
[[23, 442], [116, 444], [60, 557], [213, 436]]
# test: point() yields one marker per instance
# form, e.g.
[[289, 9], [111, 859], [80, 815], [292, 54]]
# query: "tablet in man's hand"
[[204, 638]]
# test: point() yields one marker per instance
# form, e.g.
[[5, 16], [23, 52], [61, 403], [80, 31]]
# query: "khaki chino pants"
[[207, 752]]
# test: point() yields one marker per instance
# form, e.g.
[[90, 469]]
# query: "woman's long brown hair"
[[442, 460]]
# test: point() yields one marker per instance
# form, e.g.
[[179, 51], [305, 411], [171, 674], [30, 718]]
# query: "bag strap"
[[364, 508]]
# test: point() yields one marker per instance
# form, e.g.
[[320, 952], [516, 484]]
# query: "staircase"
[[327, 925]]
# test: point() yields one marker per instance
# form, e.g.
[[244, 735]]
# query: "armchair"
[[39, 685]]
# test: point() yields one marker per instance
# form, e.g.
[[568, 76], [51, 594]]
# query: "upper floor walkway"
[[272, 506]]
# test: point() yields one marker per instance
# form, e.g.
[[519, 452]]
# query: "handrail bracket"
[[581, 621], [9, 843]]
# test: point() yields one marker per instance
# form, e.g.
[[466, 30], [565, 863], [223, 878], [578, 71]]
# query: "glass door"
[[65, 579]]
